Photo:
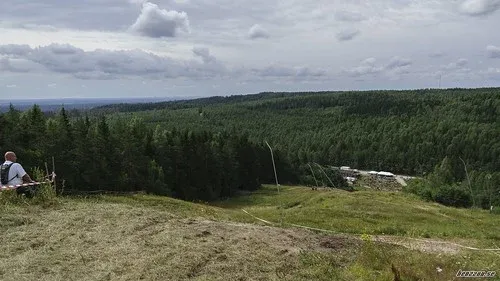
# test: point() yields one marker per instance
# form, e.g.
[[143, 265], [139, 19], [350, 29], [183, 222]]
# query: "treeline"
[[200, 102], [405, 132], [452, 184], [98, 154]]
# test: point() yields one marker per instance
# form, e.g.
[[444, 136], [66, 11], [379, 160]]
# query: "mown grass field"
[[144, 237]]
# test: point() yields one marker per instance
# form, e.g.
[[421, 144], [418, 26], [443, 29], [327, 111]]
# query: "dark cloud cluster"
[[106, 64], [397, 62], [204, 54]]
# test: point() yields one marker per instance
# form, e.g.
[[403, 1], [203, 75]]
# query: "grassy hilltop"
[[366, 235]]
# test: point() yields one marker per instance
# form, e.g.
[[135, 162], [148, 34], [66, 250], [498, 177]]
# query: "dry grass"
[[155, 238], [105, 241]]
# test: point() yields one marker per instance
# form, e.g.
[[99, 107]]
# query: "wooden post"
[[313, 174], [54, 171], [47, 170]]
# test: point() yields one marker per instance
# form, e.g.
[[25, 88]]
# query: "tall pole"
[[489, 191], [468, 180], [274, 167], [313, 174], [333, 185], [54, 171]]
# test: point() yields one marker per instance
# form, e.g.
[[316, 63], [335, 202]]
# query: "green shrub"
[[44, 194], [453, 195]]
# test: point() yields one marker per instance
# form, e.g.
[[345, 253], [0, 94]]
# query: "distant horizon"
[[91, 98], [79, 103], [178, 97], [4, 100]]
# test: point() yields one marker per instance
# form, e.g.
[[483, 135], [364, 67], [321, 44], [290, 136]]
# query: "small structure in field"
[[346, 172], [385, 175]]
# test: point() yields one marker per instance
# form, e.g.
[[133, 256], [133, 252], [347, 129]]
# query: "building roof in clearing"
[[386, 174]]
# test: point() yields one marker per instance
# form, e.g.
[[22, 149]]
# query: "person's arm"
[[22, 174], [26, 179]]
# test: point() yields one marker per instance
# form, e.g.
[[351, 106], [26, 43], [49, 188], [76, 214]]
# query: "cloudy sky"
[[134, 48]]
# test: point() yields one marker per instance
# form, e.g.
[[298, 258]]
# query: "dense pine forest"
[[213, 147]]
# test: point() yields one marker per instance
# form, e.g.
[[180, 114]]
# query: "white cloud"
[[30, 26], [492, 73], [397, 62], [15, 65], [493, 51], [155, 22], [347, 34], [479, 7], [395, 66], [11, 86], [367, 67], [95, 75], [284, 71], [257, 31], [462, 62], [369, 61], [107, 64]]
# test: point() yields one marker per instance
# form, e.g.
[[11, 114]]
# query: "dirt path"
[[420, 244]]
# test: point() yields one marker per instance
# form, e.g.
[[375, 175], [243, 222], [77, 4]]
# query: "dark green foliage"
[[317, 175], [210, 148], [453, 195], [447, 185], [99, 154]]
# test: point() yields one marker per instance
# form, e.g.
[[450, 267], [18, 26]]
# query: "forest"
[[213, 147]]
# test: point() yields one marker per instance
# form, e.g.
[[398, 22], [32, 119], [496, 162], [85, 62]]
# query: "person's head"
[[10, 156]]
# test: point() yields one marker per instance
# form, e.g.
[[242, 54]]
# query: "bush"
[[453, 195], [44, 194], [419, 188]]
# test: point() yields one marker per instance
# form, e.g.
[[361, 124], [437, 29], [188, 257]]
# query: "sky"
[[186, 48]]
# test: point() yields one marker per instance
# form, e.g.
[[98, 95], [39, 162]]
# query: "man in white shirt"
[[16, 174]]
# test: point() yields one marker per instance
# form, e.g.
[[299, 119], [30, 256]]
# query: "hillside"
[[145, 237], [212, 148], [403, 131]]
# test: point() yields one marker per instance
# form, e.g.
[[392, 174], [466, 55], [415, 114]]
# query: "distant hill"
[[198, 102], [79, 103]]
